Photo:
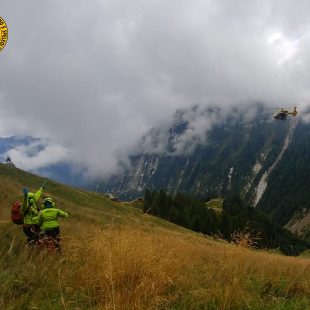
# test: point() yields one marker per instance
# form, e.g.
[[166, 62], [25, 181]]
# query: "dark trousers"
[[31, 232], [53, 233]]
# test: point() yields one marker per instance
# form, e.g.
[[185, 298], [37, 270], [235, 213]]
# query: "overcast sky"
[[94, 76]]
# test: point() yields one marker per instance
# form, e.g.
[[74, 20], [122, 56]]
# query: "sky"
[[92, 77]]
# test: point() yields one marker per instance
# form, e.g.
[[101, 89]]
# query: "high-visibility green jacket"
[[48, 218], [29, 208]]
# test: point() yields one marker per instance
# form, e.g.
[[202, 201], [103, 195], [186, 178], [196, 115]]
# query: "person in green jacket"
[[30, 210], [48, 220]]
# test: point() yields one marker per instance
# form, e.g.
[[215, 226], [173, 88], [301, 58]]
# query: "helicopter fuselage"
[[282, 114]]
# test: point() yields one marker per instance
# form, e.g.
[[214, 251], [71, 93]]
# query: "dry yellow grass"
[[134, 268], [131, 268], [138, 262]]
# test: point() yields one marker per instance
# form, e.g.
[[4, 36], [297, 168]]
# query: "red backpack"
[[16, 217]]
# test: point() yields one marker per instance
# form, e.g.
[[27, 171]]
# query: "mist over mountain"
[[242, 151], [39, 156], [204, 152], [142, 61], [6, 144], [180, 152]]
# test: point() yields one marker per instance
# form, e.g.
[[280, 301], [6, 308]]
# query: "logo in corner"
[[4, 33]]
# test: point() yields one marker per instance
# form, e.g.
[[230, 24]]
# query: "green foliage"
[[182, 210], [288, 184], [236, 217]]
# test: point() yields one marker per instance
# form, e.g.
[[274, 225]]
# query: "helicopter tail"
[[295, 111]]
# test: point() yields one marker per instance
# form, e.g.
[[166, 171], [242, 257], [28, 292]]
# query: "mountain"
[[12, 142], [266, 161], [210, 153], [287, 191], [230, 219], [62, 171], [116, 257]]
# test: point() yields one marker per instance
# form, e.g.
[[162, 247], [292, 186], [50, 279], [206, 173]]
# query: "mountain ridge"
[[237, 155]]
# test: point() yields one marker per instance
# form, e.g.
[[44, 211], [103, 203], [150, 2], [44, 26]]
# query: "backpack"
[[16, 217]]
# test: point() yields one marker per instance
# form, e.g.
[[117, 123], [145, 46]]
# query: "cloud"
[[94, 77], [36, 155], [189, 127]]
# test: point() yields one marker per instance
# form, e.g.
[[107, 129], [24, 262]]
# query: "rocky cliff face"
[[235, 155], [256, 158], [287, 195]]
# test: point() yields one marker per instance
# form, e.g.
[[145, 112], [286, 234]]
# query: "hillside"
[[233, 154], [62, 171], [116, 257], [263, 160], [225, 218], [290, 180]]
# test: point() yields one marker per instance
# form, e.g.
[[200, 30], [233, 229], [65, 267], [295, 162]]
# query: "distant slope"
[[115, 257], [9, 143], [61, 171], [235, 157], [227, 218], [266, 161], [288, 185], [83, 205]]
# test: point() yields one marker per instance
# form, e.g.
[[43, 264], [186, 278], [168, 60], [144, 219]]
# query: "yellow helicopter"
[[282, 114]]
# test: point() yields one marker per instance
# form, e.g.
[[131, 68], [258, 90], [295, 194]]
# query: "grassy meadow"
[[116, 257]]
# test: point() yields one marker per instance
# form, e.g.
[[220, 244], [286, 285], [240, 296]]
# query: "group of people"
[[40, 221]]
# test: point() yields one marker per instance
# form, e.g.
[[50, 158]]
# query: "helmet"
[[48, 202]]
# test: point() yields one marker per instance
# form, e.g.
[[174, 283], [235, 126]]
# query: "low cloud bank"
[[95, 81], [37, 155]]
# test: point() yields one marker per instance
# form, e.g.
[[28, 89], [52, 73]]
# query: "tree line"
[[236, 217]]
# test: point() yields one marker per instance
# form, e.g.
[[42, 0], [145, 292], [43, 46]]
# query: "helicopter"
[[281, 114]]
